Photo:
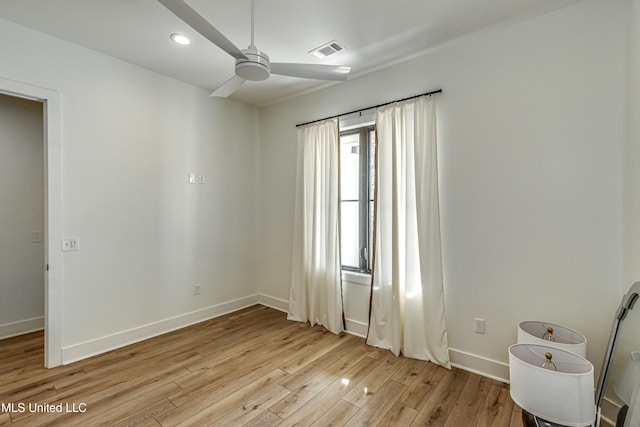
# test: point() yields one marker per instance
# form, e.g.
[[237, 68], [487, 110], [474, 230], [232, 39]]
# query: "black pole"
[[371, 108]]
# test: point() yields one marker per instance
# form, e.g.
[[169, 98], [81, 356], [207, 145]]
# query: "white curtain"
[[316, 280], [407, 301]]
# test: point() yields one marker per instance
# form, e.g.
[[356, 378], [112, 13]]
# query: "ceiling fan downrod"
[[255, 67]]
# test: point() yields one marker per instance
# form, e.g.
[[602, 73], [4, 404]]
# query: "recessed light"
[[181, 39]]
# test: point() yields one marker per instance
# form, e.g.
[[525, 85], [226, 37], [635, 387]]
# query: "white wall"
[[531, 139], [632, 148], [531, 151], [21, 214], [130, 137]]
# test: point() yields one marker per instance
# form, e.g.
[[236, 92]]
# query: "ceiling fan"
[[251, 64]]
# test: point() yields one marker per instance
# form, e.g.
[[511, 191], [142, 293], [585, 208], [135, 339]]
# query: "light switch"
[[70, 244], [36, 237], [192, 178]]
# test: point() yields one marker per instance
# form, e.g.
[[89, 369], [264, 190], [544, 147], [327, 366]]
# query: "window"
[[357, 189]]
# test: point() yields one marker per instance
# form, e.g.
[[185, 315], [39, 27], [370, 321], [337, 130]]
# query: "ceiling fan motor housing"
[[255, 67]]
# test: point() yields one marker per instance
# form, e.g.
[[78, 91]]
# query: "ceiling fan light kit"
[[251, 63], [255, 67]]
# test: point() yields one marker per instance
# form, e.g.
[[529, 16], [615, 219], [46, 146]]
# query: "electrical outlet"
[[201, 179], [70, 244], [196, 289], [478, 326]]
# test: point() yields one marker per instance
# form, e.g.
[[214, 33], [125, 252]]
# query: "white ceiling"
[[374, 32]]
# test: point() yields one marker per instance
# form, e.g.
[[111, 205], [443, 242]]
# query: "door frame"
[[52, 137]]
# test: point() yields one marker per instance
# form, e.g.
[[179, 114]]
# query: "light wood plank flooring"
[[249, 368]]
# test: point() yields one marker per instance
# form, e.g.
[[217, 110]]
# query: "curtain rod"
[[433, 92]]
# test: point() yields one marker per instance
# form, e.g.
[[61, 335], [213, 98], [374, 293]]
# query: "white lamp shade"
[[534, 332], [565, 396], [625, 386]]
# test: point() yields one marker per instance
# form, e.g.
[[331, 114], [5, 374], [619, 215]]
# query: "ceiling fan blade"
[[201, 25], [228, 87], [311, 71]]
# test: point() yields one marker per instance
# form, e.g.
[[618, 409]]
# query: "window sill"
[[355, 277]]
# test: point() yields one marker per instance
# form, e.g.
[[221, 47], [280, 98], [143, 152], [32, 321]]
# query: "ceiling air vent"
[[327, 49]]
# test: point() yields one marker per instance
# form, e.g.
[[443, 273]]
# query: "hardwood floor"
[[249, 368]]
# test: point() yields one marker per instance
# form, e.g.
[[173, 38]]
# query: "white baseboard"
[[273, 302], [609, 410], [460, 359], [357, 328], [354, 327], [9, 330], [479, 365], [101, 345]]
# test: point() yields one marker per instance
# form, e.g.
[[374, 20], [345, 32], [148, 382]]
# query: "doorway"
[[52, 231], [21, 216]]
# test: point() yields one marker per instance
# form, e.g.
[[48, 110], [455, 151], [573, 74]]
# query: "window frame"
[[365, 240]]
